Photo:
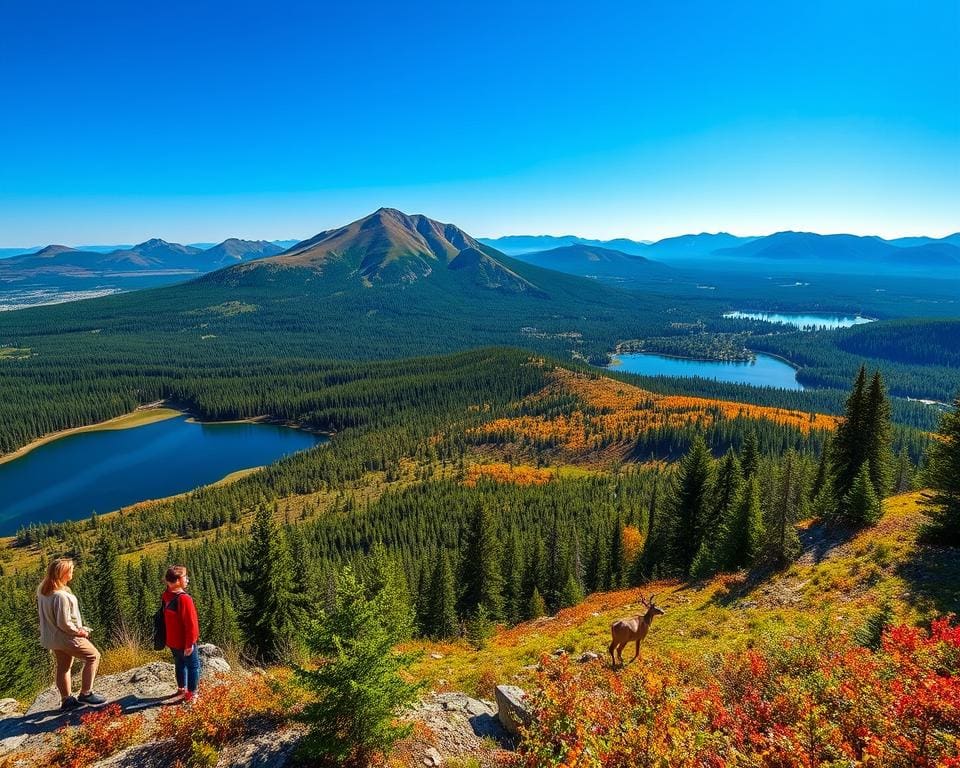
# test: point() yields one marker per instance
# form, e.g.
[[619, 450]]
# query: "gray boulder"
[[212, 661], [512, 709]]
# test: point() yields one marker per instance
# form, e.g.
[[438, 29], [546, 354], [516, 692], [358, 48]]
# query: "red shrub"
[[100, 734], [818, 701]]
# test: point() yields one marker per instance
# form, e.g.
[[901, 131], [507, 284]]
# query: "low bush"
[[100, 734], [818, 700]]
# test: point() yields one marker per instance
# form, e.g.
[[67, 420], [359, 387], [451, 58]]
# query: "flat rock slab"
[[142, 690]]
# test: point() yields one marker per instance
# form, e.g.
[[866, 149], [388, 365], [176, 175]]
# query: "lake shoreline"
[[760, 372], [136, 418], [149, 414]]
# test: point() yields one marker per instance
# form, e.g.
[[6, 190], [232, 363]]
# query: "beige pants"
[[76, 648]]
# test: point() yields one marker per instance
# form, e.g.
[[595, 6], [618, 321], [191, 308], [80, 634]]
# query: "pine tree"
[[358, 684], [558, 567], [385, 579], [750, 455], [271, 614], [108, 577], [903, 472], [441, 611], [850, 443], [861, 505], [691, 504], [878, 431], [536, 607], [482, 578], [479, 628], [728, 490], [942, 502], [572, 593], [780, 520], [821, 481]]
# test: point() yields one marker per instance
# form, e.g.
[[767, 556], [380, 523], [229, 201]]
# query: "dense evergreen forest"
[[221, 347], [459, 555]]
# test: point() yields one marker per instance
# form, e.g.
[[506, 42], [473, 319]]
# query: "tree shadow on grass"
[[933, 575]]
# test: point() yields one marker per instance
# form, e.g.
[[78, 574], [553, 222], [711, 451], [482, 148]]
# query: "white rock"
[[9, 707], [432, 758]]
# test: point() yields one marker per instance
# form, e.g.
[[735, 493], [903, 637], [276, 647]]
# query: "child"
[[183, 631]]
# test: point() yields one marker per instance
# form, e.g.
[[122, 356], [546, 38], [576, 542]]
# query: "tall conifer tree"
[[441, 609], [271, 610], [483, 559], [691, 504]]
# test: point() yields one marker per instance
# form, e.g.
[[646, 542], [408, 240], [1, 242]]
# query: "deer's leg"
[[613, 659], [620, 652], [636, 652]]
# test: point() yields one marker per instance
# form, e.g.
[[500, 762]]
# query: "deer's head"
[[652, 608]]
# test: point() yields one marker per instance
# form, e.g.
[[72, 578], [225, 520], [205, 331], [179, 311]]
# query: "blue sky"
[[197, 121]]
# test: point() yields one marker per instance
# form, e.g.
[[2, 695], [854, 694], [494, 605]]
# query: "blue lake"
[[805, 322], [765, 371], [104, 470]]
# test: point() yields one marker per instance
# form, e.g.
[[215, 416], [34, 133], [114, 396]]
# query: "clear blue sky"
[[195, 121]]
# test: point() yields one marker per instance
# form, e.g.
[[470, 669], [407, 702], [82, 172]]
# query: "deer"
[[632, 630]]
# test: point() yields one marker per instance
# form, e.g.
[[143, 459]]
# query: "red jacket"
[[183, 627]]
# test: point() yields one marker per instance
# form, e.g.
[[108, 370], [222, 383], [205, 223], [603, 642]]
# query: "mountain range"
[[798, 249], [384, 286], [153, 257]]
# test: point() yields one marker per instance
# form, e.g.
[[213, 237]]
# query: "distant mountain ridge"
[[593, 261], [796, 249], [151, 257], [853, 249]]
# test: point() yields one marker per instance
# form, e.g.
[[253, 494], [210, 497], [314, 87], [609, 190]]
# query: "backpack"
[[160, 624]]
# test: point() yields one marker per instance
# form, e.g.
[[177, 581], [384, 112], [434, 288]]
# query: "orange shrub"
[[100, 734], [224, 711], [816, 702]]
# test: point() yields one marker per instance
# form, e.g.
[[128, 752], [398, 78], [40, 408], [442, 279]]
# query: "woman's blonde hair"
[[56, 577]]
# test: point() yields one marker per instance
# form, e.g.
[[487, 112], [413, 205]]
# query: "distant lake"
[[765, 371], [802, 321], [101, 471]]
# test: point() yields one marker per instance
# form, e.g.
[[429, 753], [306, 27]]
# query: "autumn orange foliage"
[[816, 702], [613, 411], [100, 734], [506, 473]]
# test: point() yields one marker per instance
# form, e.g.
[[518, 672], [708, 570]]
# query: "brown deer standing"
[[632, 630]]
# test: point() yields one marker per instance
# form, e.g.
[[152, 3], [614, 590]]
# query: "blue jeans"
[[188, 669]]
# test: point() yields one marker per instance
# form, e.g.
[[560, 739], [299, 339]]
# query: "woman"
[[63, 633], [183, 631]]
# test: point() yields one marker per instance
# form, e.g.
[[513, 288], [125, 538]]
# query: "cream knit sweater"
[[60, 620]]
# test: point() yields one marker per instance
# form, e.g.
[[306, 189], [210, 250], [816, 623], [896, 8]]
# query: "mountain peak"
[[53, 250], [391, 248]]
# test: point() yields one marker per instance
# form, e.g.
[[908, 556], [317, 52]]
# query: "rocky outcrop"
[[454, 725], [142, 690], [512, 709]]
